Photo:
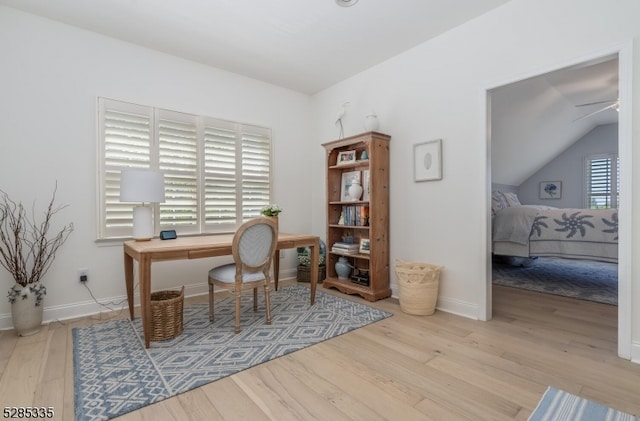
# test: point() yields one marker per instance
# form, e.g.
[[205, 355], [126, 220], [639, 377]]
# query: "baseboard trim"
[[635, 352], [91, 308], [459, 308]]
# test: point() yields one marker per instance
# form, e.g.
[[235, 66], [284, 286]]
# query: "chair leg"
[[237, 326], [255, 299], [267, 303], [210, 302]]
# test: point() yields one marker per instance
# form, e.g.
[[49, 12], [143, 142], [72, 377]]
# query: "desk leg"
[[144, 270], [315, 260], [276, 269], [128, 278]]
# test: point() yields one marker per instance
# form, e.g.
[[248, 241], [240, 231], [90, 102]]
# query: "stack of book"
[[344, 248], [355, 215]]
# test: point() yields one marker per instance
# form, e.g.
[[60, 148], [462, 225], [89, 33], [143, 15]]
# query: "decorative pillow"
[[512, 198], [501, 200]]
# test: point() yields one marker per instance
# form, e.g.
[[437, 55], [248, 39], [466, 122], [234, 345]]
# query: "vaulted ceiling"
[[534, 120]]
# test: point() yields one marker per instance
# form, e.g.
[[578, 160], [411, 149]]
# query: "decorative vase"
[[343, 268], [371, 122], [355, 190], [26, 315]]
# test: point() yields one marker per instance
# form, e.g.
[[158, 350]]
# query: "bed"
[[544, 231]]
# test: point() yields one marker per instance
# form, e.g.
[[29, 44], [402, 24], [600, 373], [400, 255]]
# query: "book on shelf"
[[355, 215], [340, 244], [345, 248], [344, 251]]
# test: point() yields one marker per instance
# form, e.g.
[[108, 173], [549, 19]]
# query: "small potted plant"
[[271, 210], [27, 251], [304, 263]]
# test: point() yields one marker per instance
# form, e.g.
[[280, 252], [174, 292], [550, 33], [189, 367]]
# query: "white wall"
[[50, 77], [437, 90], [568, 167]]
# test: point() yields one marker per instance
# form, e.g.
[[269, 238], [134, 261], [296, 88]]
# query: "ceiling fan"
[[611, 104]]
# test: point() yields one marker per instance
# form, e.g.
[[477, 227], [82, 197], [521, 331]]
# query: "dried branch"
[[26, 250]]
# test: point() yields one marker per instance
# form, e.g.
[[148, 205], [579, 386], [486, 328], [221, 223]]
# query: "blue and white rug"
[[558, 405], [581, 279], [114, 373]]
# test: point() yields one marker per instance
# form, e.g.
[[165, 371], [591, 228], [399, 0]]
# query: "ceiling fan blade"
[[597, 102], [608, 107]]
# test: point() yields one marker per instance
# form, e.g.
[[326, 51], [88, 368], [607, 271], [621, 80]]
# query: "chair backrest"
[[254, 244]]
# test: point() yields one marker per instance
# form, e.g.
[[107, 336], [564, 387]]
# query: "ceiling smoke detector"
[[346, 3]]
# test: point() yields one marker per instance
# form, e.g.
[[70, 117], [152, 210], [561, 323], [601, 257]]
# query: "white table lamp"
[[145, 186]]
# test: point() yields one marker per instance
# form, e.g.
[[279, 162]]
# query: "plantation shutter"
[[178, 160], [220, 162], [126, 143], [602, 182], [617, 183], [217, 173], [256, 164], [237, 175]]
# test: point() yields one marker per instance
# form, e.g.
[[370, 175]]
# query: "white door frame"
[[624, 51]]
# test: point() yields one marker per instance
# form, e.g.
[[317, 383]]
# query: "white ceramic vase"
[[371, 122], [26, 316], [355, 190]]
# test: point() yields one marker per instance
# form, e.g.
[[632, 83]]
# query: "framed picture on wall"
[[550, 190], [427, 160]]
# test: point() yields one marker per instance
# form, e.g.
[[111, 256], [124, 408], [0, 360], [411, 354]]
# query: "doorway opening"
[[556, 96]]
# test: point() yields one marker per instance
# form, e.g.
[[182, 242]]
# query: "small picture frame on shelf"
[[365, 185], [347, 179], [346, 157], [365, 246]]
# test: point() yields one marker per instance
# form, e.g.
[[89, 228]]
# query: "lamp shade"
[[141, 185]]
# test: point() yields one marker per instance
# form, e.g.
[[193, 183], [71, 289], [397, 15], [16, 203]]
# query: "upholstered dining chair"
[[253, 248]]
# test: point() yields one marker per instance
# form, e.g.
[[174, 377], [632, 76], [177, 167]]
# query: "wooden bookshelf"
[[363, 218]]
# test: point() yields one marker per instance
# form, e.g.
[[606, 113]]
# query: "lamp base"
[[142, 223]]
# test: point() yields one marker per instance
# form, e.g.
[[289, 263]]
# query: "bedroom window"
[[602, 175], [217, 173]]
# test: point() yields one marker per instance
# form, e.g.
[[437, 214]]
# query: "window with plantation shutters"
[[602, 175], [217, 173]]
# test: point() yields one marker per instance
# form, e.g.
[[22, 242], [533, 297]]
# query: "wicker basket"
[[304, 273], [418, 287], [166, 314]]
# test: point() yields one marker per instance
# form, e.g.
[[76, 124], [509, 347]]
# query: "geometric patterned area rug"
[[114, 373], [558, 405], [582, 279]]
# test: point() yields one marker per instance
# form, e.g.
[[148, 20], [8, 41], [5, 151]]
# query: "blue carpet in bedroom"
[[581, 279]]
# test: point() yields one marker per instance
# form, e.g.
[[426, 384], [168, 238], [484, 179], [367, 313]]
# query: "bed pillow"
[[501, 200]]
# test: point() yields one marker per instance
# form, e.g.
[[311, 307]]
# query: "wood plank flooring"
[[403, 368]]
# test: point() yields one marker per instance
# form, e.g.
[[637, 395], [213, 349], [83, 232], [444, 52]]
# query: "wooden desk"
[[182, 248]]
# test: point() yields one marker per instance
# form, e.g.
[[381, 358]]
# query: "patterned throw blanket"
[[571, 233]]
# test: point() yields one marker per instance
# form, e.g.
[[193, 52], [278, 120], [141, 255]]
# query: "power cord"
[[117, 312]]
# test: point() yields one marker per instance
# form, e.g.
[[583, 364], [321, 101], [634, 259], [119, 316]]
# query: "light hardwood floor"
[[440, 367]]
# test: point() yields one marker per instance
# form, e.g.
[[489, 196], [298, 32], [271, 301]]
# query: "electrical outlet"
[[83, 275], [282, 254]]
